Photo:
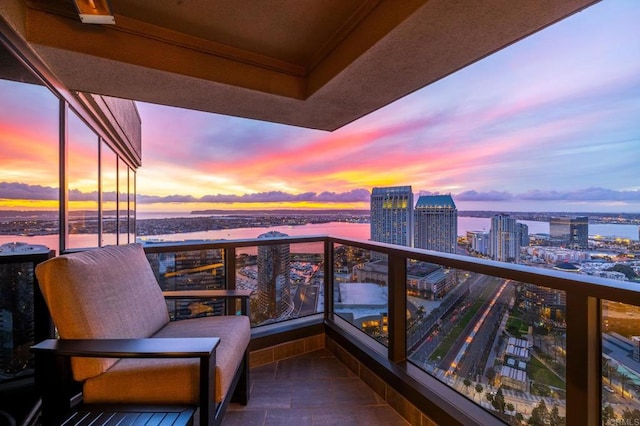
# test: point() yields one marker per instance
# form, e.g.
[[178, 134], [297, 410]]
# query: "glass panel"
[[123, 202], [620, 363], [21, 322], [109, 178], [132, 206], [361, 294], [16, 319], [499, 342], [82, 174], [287, 280], [190, 270], [29, 152]]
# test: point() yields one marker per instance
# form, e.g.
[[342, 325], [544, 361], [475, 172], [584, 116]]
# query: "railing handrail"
[[583, 285]]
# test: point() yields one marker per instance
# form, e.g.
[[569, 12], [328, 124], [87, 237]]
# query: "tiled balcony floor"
[[310, 389]]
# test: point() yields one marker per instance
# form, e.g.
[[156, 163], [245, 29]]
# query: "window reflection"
[[29, 149], [109, 179], [82, 177], [132, 205], [123, 202]]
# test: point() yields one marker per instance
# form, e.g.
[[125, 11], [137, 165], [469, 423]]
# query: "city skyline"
[[547, 124]]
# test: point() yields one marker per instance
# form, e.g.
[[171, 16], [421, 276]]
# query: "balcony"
[[442, 350], [440, 338]]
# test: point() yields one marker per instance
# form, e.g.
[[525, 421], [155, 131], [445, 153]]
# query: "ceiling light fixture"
[[95, 11]]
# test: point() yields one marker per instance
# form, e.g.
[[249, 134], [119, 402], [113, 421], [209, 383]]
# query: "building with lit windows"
[[479, 241], [436, 223], [504, 239], [569, 232], [392, 215], [274, 284], [523, 231]]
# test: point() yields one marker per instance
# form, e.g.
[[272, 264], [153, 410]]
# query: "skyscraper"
[[392, 215], [523, 232], [504, 239], [436, 223], [570, 232], [274, 284]]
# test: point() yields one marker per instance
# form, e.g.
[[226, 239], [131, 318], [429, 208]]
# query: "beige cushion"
[[106, 293], [174, 380]]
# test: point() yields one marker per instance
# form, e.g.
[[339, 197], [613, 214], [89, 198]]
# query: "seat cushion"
[[105, 293], [174, 380]]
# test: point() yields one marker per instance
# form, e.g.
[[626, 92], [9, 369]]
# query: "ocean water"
[[338, 229]]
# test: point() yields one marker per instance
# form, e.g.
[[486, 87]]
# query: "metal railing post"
[[328, 278], [229, 256], [584, 353], [397, 316]]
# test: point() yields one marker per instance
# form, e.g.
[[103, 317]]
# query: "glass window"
[[82, 178], [29, 153], [123, 202], [109, 179], [132, 206], [29, 220]]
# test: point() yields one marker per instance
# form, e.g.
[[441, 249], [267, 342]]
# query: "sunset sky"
[[551, 123]]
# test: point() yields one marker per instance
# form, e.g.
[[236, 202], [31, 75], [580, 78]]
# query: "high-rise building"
[[479, 241], [504, 239], [392, 215], [523, 231], [274, 284], [436, 223], [570, 232]]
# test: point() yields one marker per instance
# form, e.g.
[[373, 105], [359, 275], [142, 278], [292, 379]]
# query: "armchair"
[[117, 343]]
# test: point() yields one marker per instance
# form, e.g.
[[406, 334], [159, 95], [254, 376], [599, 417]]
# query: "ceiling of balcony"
[[311, 63]]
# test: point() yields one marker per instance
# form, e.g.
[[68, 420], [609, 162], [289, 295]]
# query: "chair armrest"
[[190, 347], [242, 295], [51, 372]]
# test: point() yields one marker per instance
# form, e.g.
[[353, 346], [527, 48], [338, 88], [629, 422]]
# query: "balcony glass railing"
[[620, 363], [19, 308], [361, 289], [524, 344], [513, 342]]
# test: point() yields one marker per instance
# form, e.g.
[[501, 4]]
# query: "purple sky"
[[550, 123]]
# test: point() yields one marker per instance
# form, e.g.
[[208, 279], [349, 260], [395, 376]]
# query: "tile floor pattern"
[[311, 389]]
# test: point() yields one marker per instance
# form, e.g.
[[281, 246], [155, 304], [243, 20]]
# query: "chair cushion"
[[165, 381], [106, 293]]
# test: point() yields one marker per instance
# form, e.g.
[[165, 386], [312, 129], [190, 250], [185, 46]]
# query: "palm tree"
[[467, 383], [479, 388], [624, 379], [610, 366], [605, 367]]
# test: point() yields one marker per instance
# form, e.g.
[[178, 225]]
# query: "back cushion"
[[107, 293]]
